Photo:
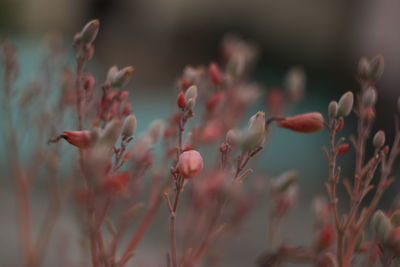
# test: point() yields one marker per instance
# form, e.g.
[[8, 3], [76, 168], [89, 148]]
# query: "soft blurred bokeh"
[[160, 37]]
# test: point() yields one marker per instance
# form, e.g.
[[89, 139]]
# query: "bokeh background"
[[160, 37]]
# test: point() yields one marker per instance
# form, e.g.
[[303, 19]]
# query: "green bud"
[[381, 226], [345, 104]]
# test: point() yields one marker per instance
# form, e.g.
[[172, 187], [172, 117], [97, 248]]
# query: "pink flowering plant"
[[116, 208]]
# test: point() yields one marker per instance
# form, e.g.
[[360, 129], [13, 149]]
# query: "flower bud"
[[190, 104], [285, 180], [117, 183], [181, 100], [79, 139], [190, 164], [88, 82], [332, 109], [343, 149], [369, 97], [214, 101], [345, 104], [111, 133], [156, 130], [214, 73], [232, 137], [381, 226], [191, 93], [379, 139], [303, 123], [89, 32], [325, 238], [129, 126], [111, 73], [121, 77], [254, 136]]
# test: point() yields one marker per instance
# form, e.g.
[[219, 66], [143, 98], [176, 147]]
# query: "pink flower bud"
[[303, 123], [325, 238], [79, 139], [88, 83], [214, 101], [215, 74], [127, 109], [123, 95], [181, 102], [343, 149], [190, 164]]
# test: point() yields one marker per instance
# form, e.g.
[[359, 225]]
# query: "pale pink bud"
[[332, 109], [122, 77], [369, 97], [129, 126], [303, 123], [232, 137], [141, 149], [214, 101], [111, 133], [79, 139], [285, 180], [89, 32], [190, 164], [345, 104], [191, 93], [379, 139], [111, 73]]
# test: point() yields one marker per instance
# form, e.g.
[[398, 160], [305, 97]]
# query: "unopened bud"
[[343, 149], [369, 97], [381, 226], [379, 139], [254, 136], [303, 123], [332, 109], [190, 104], [232, 137], [89, 32], [215, 73], [81, 139], [129, 126], [191, 93], [181, 100], [156, 130], [345, 104], [111, 133], [122, 77], [190, 164], [214, 101], [285, 180], [363, 67]]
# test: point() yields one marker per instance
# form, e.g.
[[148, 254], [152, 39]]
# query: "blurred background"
[[160, 37]]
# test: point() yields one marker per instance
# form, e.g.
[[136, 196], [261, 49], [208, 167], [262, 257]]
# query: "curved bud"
[[190, 104], [345, 104], [79, 139], [214, 73], [332, 109], [89, 31], [129, 126], [156, 130], [363, 67], [111, 73], [369, 97], [379, 139], [180, 100], [303, 123], [122, 77], [376, 67], [190, 164]]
